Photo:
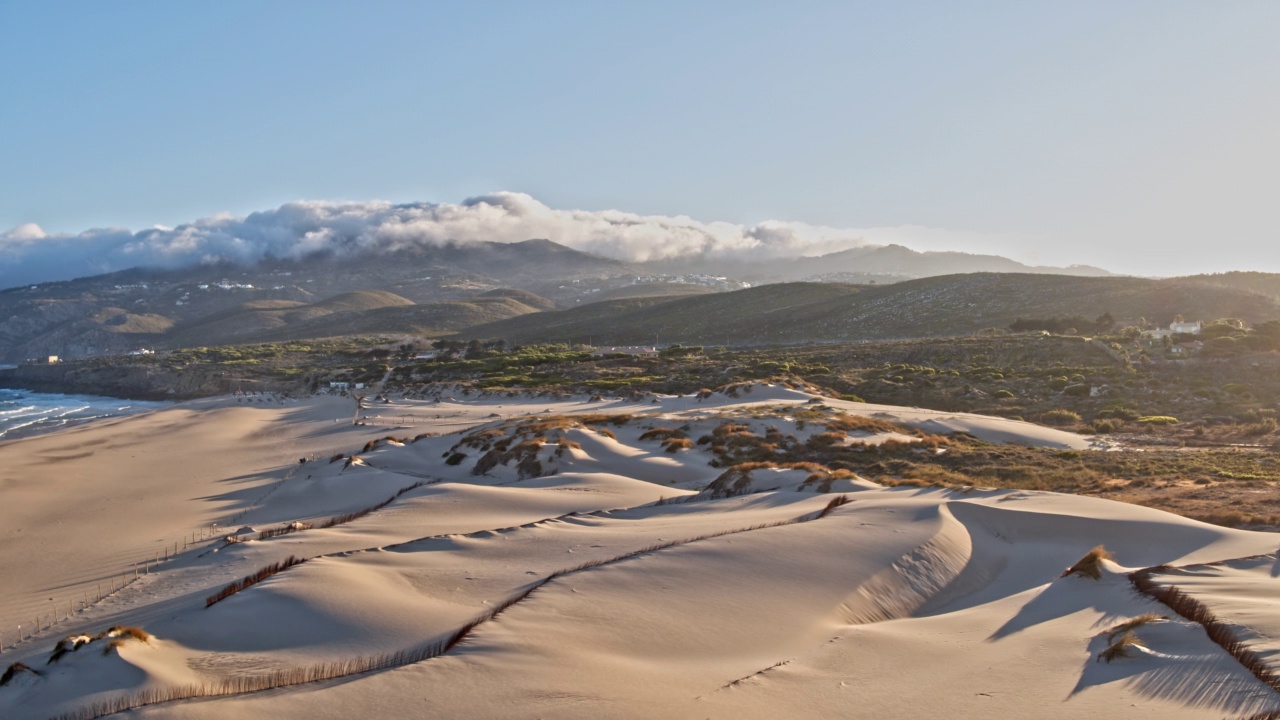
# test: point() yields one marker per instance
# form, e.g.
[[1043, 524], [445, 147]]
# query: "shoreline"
[[41, 412]]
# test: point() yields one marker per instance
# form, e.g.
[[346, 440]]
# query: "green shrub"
[[1060, 417], [1118, 412], [1158, 420], [1004, 395], [1106, 426]]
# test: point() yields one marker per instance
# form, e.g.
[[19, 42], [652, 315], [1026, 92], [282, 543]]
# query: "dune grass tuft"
[[136, 633], [68, 644], [1121, 647], [62, 648], [836, 502], [676, 444], [1134, 624], [1090, 564], [662, 434], [12, 671]]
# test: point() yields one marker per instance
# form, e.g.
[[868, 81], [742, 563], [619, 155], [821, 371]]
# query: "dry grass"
[[351, 516], [136, 633], [737, 480], [602, 419], [254, 579], [677, 444], [826, 439], [12, 671], [71, 643], [1121, 647], [836, 502], [1090, 564], [525, 454], [856, 423], [1134, 624], [662, 434], [117, 635], [1222, 634]]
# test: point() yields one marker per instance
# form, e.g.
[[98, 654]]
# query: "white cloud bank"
[[295, 230]]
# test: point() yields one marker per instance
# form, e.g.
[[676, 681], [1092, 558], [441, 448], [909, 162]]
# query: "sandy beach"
[[522, 556]]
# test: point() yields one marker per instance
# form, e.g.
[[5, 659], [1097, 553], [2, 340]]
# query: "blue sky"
[[1139, 136]]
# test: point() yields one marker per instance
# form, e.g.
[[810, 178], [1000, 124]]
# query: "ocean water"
[[26, 413]]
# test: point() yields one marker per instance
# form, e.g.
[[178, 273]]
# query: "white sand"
[[903, 602]]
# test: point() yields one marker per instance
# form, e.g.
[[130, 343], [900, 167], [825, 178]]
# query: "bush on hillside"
[[1060, 418]]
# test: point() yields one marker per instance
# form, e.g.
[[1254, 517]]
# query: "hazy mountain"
[[872, 263], [512, 289], [121, 311]]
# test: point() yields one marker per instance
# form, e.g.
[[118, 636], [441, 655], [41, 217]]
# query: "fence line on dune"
[[1220, 633], [62, 610], [426, 651]]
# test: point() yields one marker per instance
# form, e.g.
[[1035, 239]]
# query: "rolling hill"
[[938, 306], [358, 313]]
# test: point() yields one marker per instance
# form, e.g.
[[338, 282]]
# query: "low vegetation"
[[1090, 565], [13, 671], [251, 580], [1134, 624], [114, 638], [1120, 647], [1222, 634]]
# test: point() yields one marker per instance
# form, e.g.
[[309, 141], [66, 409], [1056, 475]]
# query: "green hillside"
[[938, 306]]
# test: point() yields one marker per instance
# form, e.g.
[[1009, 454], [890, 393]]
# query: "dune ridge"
[[573, 564]]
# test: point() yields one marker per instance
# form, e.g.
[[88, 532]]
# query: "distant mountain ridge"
[[893, 262], [489, 289]]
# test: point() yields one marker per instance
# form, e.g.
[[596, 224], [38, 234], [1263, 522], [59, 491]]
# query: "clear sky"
[[1140, 136]]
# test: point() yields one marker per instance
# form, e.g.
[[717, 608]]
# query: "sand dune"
[[576, 559]]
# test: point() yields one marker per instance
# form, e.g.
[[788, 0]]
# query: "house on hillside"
[[1177, 327]]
